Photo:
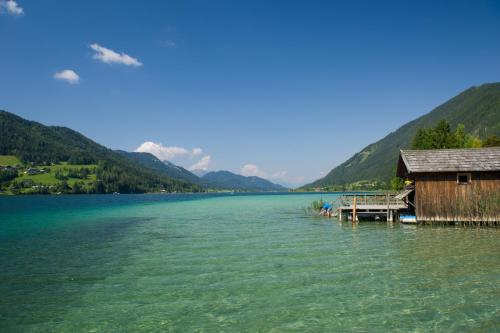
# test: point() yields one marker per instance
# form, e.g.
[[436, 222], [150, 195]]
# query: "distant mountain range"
[[229, 180], [223, 180], [110, 171], [478, 108]]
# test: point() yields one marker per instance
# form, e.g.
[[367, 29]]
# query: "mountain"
[[166, 168], [68, 151], [478, 108], [215, 180], [229, 180]]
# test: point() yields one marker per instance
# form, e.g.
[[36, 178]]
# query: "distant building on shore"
[[34, 171], [453, 185]]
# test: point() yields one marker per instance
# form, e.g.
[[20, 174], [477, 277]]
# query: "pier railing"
[[369, 199]]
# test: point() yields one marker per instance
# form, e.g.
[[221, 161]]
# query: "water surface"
[[235, 263]]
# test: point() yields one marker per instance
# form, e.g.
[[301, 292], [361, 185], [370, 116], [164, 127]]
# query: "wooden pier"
[[372, 206]]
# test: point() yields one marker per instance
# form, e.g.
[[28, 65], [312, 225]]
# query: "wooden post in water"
[[387, 200], [354, 217]]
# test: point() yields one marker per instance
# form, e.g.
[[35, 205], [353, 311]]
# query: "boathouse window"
[[463, 178]]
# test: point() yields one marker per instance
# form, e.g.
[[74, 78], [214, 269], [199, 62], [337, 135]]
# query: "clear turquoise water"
[[249, 263]]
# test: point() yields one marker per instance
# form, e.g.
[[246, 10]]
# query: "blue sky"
[[282, 89]]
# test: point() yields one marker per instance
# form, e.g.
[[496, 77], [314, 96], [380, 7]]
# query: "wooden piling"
[[387, 201], [354, 217]]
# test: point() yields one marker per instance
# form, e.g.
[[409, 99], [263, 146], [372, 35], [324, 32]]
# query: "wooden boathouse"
[[453, 185]]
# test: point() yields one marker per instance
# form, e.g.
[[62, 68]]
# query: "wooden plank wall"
[[438, 197]]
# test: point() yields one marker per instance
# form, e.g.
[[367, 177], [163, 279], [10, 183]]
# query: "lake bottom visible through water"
[[236, 263]]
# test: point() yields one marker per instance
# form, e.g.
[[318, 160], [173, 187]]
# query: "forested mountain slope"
[[39, 145], [164, 167], [478, 108]]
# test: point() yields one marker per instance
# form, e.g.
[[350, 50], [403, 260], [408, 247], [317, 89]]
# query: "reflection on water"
[[236, 263]]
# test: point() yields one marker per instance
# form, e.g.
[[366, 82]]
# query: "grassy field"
[[9, 160], [49, 178]]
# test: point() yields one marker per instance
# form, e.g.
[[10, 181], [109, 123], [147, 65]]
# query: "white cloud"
[[196, 151], [11, 7], [278, 175], [67, 75], [161, 151], [166, 152], [251, 170], [109, 56], [203, 164]]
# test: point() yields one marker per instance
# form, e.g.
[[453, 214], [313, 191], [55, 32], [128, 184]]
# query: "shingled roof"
[[449, 160]]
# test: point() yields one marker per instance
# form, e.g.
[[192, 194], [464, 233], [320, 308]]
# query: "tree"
[[8, 174], [492, 141], [441, 137], [62, 187], [397, 184], [422, 139], [78, 188], [461, 138], [473, 142]]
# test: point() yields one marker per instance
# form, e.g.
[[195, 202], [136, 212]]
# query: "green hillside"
[[64, 161], [478, 108]]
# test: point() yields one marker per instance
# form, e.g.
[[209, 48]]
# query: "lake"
[[236, 263]]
